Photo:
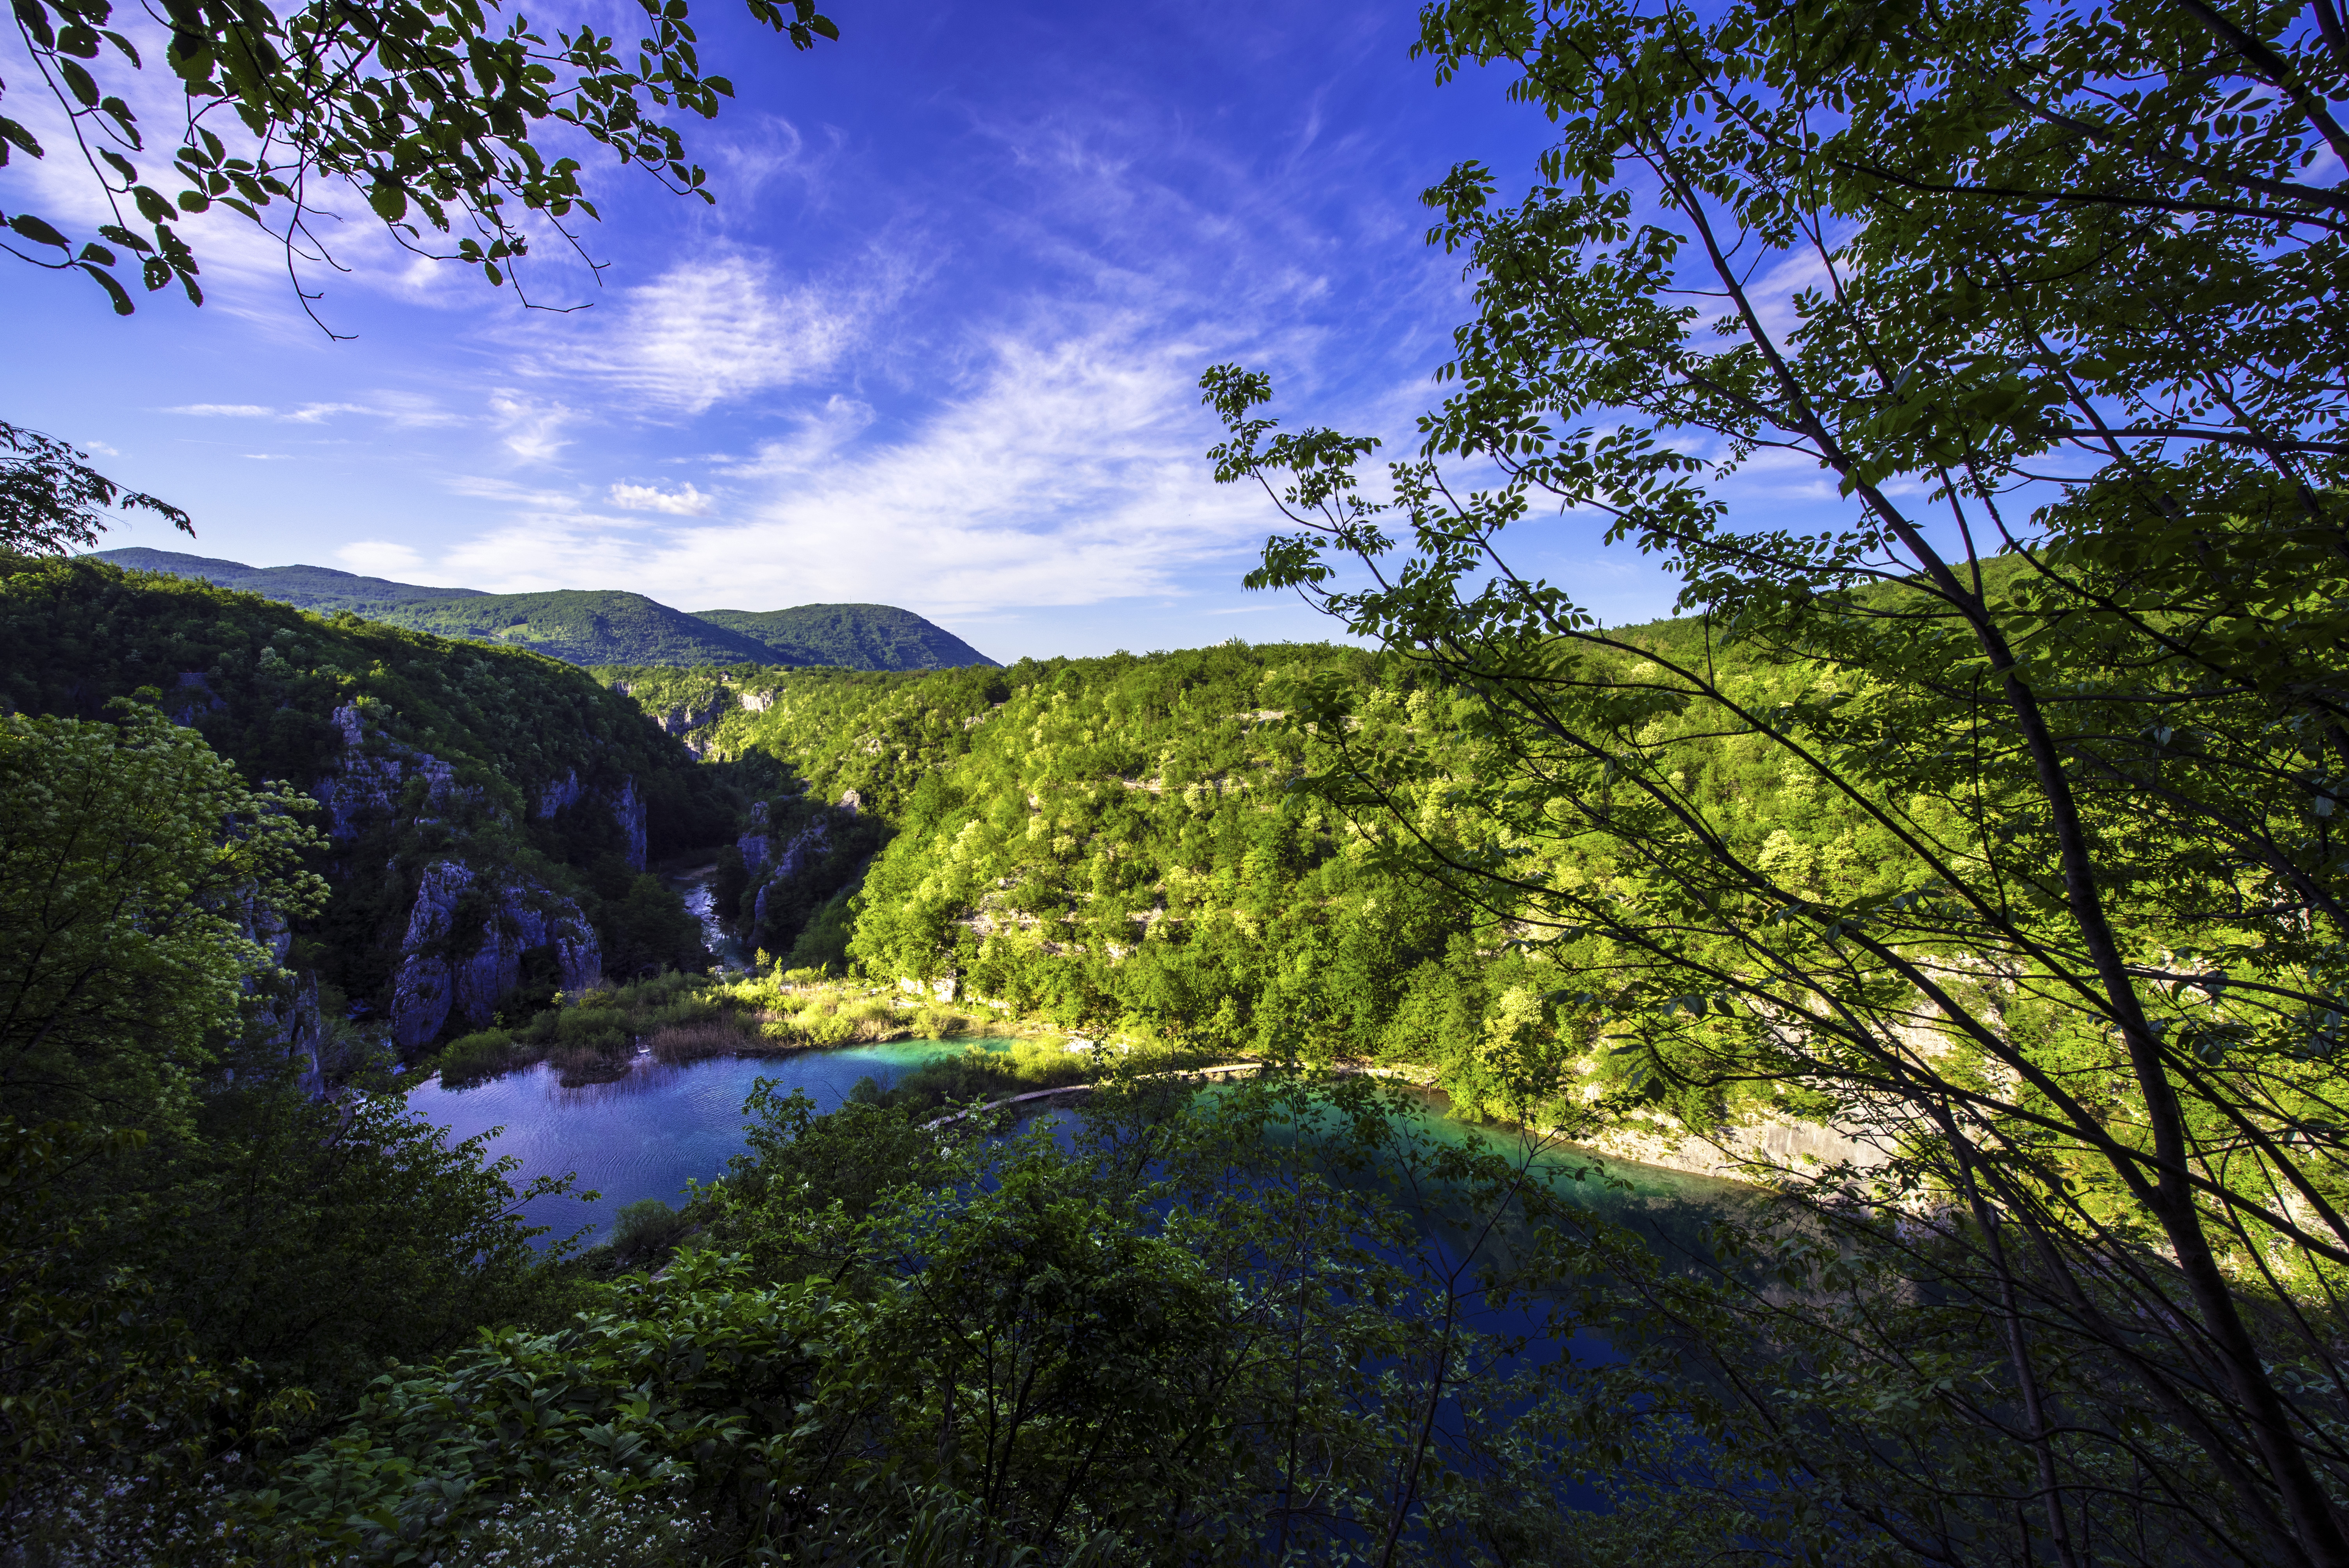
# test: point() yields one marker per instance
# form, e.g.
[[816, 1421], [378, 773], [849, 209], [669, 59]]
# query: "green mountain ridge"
[[592, 626], [582, 626], [321, 589], [881, 636]]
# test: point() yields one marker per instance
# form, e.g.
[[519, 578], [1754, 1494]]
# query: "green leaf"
[[14, 135], [35, 230], [78, 81], [123, 306]]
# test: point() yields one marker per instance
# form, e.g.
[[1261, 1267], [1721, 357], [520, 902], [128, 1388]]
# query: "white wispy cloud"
[[1067, 474], [718, 328], [226, 410], [530, 429], [687, 502], [818, 433]]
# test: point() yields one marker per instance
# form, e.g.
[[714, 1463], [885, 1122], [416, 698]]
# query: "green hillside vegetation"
[[853, 637], [319, 588], [259, 681], [1964, 870], [600, 626], [1126, 845], [593, 626]]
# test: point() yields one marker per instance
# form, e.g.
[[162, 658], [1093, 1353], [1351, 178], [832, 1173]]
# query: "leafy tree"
[[49, 496], [2048, 294], [433, 115], [140, 882]]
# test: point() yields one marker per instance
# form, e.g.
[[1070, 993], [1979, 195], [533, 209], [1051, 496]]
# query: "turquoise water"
[[645, 1135]]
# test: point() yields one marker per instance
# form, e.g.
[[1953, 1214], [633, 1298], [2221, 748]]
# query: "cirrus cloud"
[[687, 502]]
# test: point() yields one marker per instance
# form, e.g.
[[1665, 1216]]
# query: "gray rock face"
[[563, 792], [754, 844], [685, 718], [808, 846], [361, 788], [628, 811], [429, 986], [849, 801], [196, 697]]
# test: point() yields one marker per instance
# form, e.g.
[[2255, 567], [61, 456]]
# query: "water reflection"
[[645, 1135]]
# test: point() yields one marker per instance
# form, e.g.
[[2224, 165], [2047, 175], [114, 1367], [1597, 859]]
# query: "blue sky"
[[936, 345]]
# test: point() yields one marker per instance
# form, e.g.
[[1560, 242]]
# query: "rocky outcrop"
[[1748, 1152], [628, 811], [445, 970], [363, 787], [195, 697], [754, 843], [563, 792], [808, 845], [626, 805]]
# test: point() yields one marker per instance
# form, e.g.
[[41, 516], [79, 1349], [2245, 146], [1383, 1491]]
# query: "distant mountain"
[[319, 588], [602, 627], [854, 636], [583, 627]]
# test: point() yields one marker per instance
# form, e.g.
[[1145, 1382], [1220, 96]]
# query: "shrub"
[[645, 1228], [469, 1058]]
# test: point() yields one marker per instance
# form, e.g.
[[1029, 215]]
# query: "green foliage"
[[849, 637], [483, 1054], [91, 1374], [50, 499], [434, 119], [262, 684], [1991, 821], [1202, 1328], [642, 1231], [140, 881]]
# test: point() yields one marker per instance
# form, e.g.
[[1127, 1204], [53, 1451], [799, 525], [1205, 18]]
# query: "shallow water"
[[645, 1135]]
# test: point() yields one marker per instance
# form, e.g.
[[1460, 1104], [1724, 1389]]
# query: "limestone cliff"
[[449, 965]]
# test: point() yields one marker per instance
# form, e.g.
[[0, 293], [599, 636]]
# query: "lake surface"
[[647, 1134]]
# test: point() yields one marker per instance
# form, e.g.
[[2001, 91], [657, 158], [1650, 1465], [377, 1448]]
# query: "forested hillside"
[[853, 637], [319, 588], [489, 814], [1130, 844], [594, 626], [580, 627]]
